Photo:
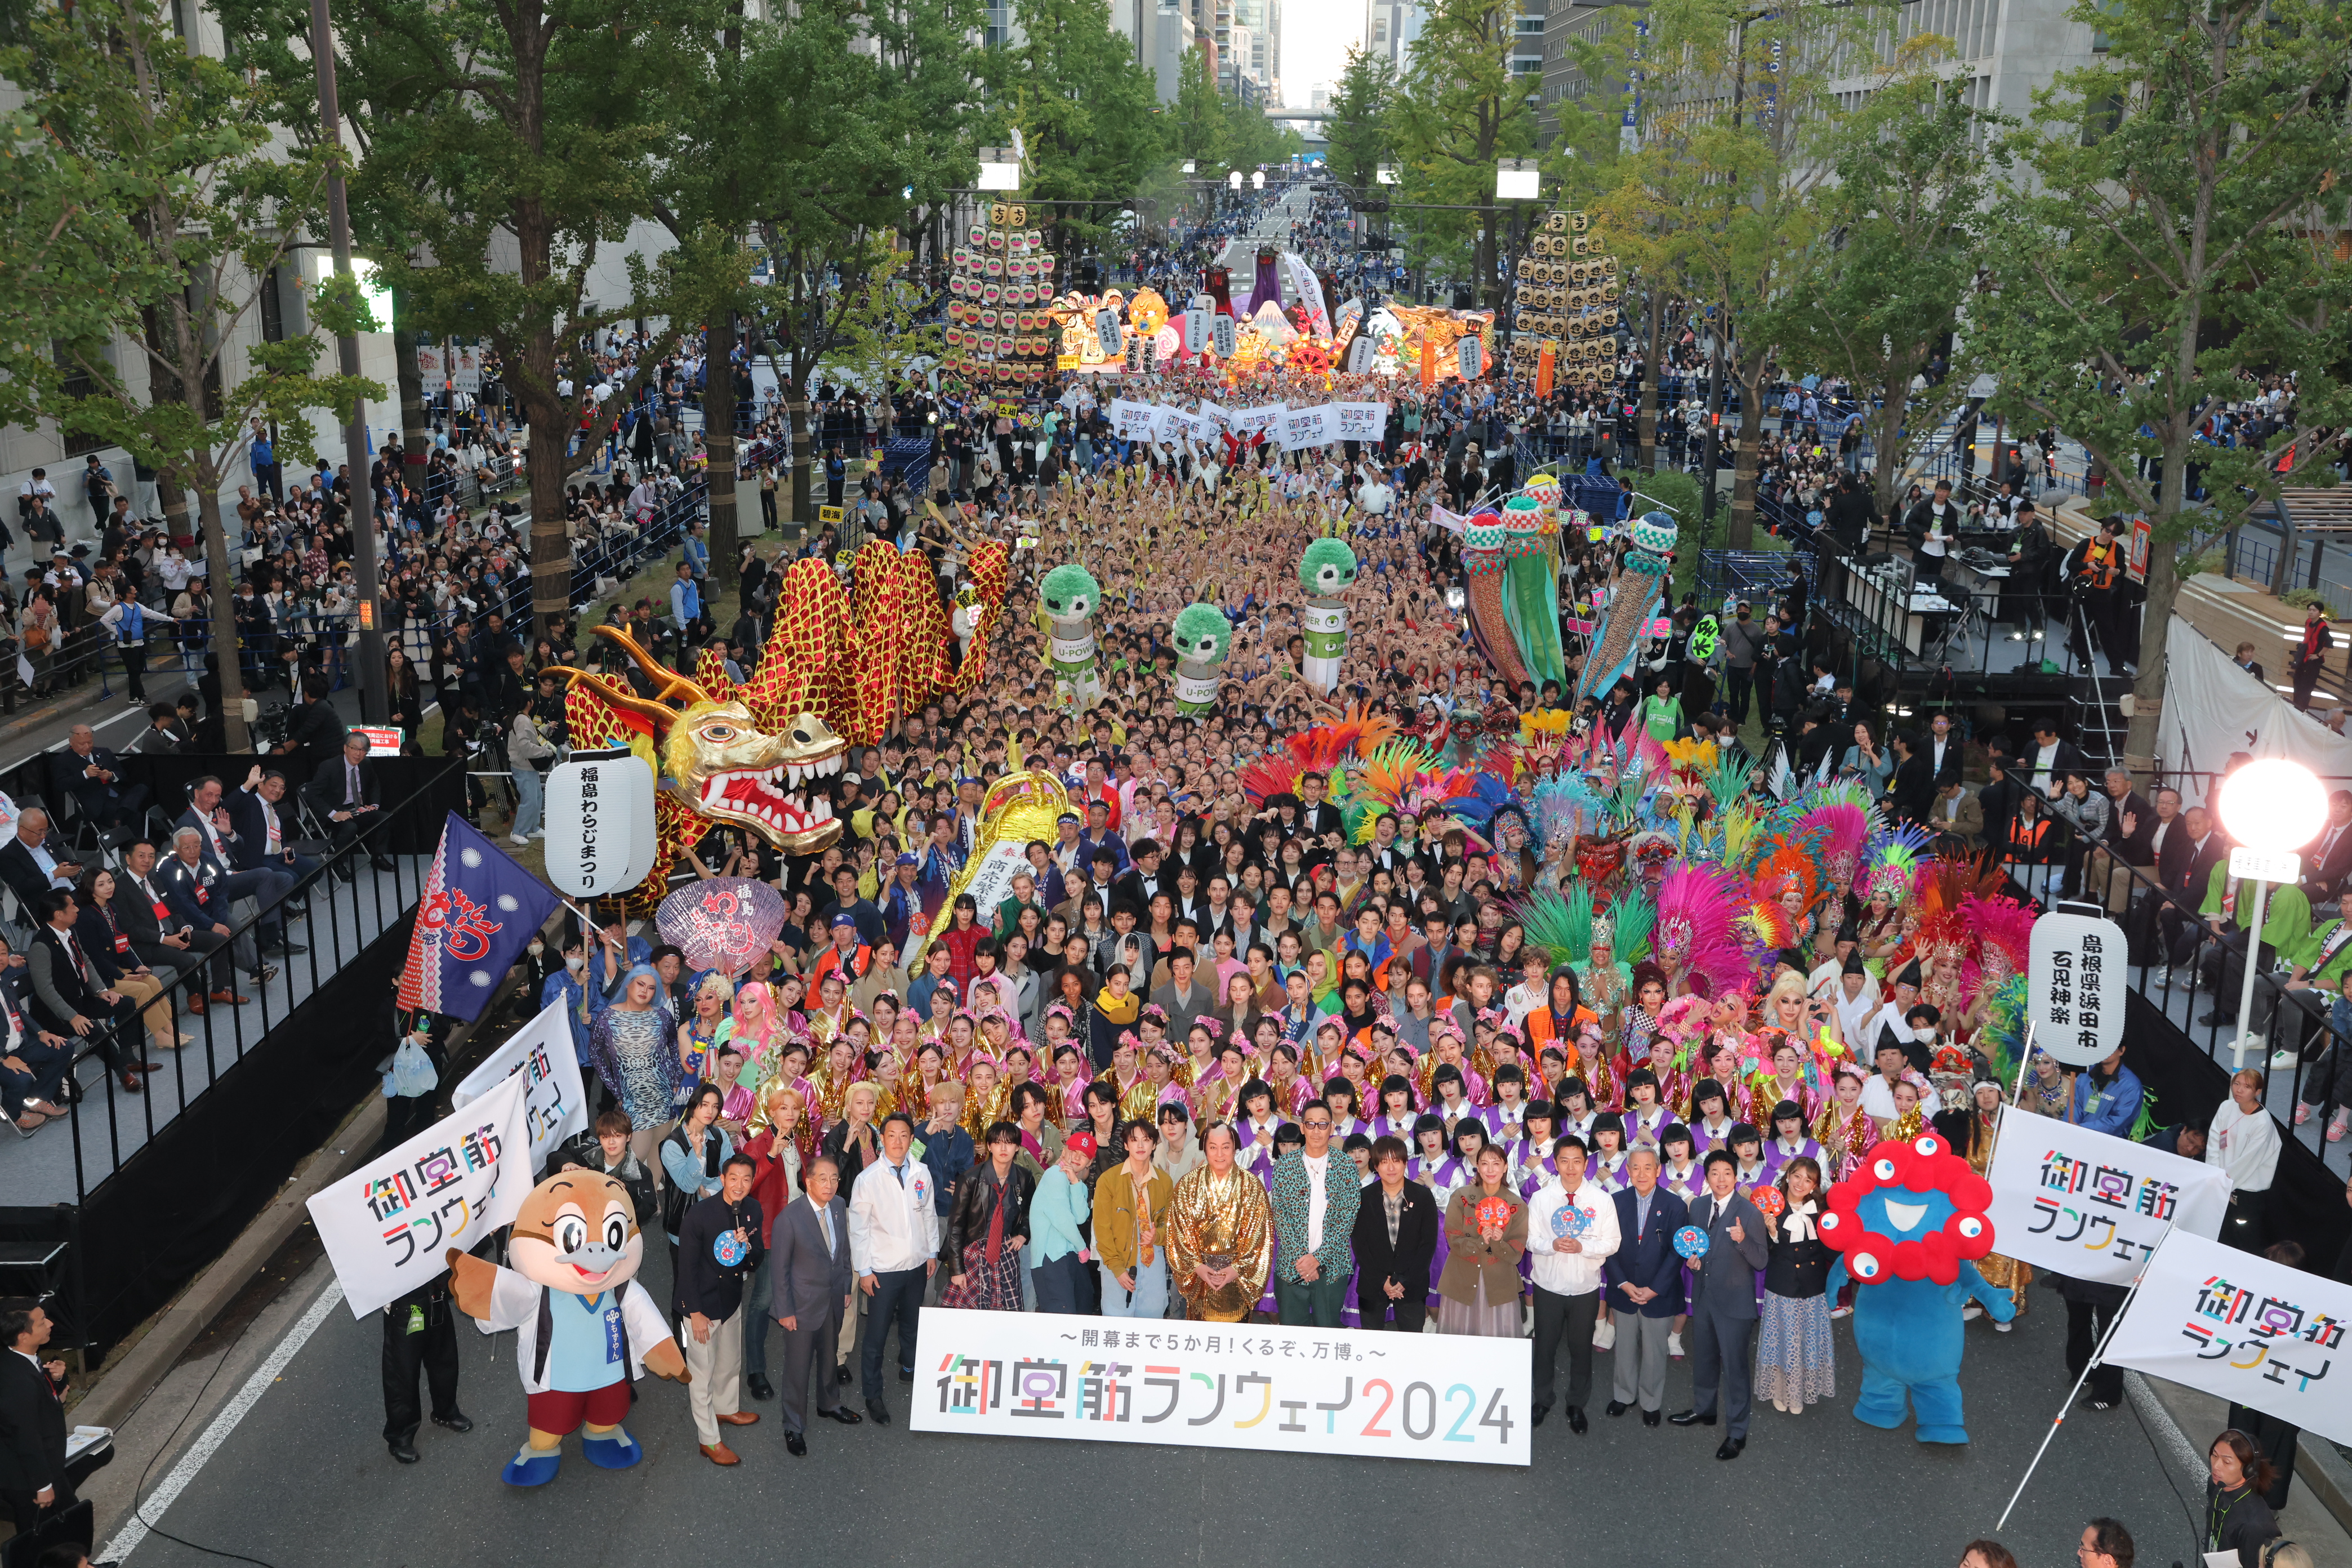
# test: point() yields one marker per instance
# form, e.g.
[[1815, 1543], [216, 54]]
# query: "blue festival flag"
[[481, 906]]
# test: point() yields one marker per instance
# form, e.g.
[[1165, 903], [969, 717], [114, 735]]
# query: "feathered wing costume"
[[1696, 935]]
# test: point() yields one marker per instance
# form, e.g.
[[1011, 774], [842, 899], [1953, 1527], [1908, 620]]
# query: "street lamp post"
[[2272, 807]]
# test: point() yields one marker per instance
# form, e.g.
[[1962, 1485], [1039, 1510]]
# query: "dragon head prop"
[[1327, 568], [1069, 593], [726, 766], [1202, 635]]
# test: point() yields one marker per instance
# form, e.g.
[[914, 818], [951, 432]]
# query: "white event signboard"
[[2092, 1206], [1224, 1385], [388, 1225], [555, 1102]]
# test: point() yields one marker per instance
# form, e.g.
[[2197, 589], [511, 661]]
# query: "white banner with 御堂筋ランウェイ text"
[[555, 1105], [2243, 1329], [388, 1225], [2092, 1206], [1224, 1385]]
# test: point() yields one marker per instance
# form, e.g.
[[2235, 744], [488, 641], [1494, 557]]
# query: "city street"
[[304, 1478]]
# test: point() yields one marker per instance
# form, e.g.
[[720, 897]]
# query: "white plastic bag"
[[412, 1070]]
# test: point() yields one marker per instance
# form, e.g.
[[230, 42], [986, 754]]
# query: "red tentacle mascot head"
[[1912, 1211]]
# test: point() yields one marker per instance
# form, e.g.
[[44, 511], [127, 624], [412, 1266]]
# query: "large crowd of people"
[[1357, 1004]]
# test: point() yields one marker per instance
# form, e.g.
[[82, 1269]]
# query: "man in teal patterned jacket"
[[1316, 1190]]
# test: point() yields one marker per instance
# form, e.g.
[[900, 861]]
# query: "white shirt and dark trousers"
[[1567, 1290]]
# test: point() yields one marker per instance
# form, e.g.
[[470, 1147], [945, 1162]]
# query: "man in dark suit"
[[1644, 1277], [264, 827], [344, 793], [809, 1256], [71, 997], [2327, 858], [33, 1479], [192, 881], [30, 867], [1911, 796], [1723, 1306], [92, 774], [267, 883], [1395, 1238], [167, 939], [1143, 879], [2185, 865], [1317, 816]]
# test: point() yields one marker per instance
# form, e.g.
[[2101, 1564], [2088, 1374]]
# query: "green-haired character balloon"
[[1070, 596], [1202, 637], [1326, 571]]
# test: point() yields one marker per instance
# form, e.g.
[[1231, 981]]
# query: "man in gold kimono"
[[1220, 1234]]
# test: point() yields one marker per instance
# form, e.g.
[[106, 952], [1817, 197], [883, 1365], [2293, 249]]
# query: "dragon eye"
[[718, 731]]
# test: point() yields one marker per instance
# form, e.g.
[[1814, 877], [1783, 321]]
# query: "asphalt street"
[[303, 1478]]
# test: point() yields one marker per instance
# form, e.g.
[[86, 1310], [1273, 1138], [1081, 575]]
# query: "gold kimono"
[[1222, 1222], [2001, 1273]]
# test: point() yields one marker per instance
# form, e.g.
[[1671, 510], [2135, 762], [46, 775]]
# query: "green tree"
[[1721, 198], [1902, 247], [2171, 241], [1087, 111], [1459, 110], [511, 147], [1361, 133], [848, 108], [160, 171]]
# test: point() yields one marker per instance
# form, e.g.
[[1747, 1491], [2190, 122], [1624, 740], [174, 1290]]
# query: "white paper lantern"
[[600, 824]]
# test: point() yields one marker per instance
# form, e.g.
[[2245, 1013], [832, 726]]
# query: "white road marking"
[[235, 1411]]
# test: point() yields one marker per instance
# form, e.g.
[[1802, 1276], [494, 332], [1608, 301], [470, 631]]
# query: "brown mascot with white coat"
[[584, 1331]]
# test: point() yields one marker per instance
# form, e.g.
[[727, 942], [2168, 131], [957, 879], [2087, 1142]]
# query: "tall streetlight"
[[2272, 807]]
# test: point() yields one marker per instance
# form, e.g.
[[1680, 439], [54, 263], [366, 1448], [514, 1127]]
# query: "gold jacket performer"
[[1220, 1234]]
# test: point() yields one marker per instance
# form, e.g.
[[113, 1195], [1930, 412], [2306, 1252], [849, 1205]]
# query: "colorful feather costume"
[[1696, 935]]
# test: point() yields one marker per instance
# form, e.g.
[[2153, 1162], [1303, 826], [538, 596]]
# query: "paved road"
[[303, 1478]]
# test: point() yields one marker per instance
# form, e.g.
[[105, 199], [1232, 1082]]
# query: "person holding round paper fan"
[[1572, 1230]]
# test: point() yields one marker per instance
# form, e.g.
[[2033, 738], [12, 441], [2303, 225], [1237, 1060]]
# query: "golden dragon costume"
[[840, 664]]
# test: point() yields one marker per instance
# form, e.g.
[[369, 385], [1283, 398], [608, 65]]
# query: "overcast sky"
[[1315, 39]]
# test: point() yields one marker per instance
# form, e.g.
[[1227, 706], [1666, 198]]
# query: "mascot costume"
[[583, 1330], [1202, 637], [1908, 1226], [1069, 596], [1326, 570]]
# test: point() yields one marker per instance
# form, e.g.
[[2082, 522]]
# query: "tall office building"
[[2003, 51], [1389, 28], [1158, 31]]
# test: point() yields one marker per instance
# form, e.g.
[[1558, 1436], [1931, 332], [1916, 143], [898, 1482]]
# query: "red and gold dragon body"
[[840, 664]]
